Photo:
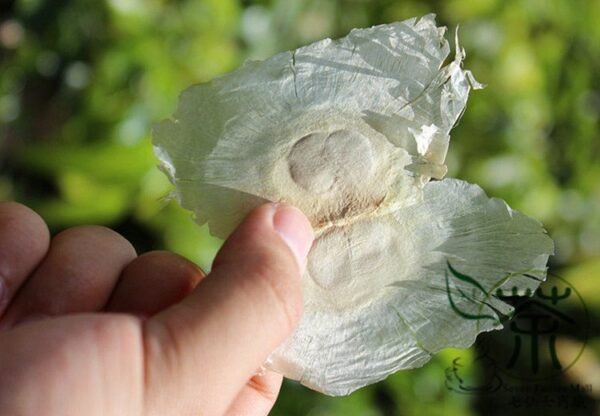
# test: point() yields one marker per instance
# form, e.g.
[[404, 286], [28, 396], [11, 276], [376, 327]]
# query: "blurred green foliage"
[[82, 81]]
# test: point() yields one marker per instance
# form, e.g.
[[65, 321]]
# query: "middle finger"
[[77, 275]]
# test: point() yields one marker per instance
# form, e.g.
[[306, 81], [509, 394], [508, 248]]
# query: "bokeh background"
[[82, 82]]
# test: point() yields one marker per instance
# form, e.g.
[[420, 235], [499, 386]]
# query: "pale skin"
[[89, 327]]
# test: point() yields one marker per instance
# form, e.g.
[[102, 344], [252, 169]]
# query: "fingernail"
[[295, 229]]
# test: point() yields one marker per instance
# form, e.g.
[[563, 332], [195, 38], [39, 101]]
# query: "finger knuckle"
[[99, 235]]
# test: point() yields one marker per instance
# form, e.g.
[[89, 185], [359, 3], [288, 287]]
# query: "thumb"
[[202, 351]]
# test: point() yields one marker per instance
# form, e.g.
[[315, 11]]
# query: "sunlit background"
[[82, 82]]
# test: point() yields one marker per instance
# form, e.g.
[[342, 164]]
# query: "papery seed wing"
[[377, 299]]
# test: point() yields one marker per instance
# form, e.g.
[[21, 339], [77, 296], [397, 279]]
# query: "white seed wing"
[[386, 82], [380, 294]]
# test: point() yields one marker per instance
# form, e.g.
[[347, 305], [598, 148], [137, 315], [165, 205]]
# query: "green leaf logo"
[[476, 287]]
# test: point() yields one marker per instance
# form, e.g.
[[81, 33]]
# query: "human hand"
[[87, 327]]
